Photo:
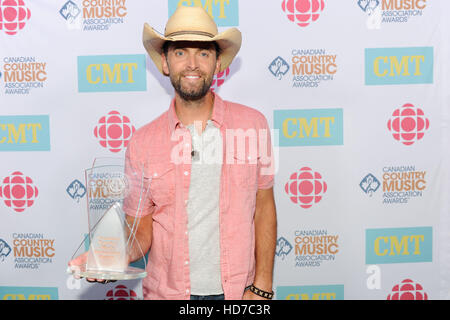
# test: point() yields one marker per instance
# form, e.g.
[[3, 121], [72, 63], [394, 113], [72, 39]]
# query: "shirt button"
[[187, 290], [186, 262], [186, 173]]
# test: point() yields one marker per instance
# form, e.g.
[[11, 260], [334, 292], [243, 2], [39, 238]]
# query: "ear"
[[218, 64], [164, 64]]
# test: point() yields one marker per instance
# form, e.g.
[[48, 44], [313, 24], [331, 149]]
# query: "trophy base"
[[131, 273]]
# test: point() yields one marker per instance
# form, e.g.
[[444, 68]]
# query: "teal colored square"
[[25, 133], [311, 127], [28, 293], [322, 292], [385, 246], [224, 12], [109, 73], [387, 66]]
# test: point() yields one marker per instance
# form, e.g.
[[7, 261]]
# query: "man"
[[210, 222]]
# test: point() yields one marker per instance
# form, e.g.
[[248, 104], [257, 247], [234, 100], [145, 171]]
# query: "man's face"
[[191, 67]]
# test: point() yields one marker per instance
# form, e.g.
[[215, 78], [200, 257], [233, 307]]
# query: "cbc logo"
[[219, 79], [121, 292], [306, 187], [114, 131], [18, 191], [407, 290], [13, 16], [408, 124], [303, 12]]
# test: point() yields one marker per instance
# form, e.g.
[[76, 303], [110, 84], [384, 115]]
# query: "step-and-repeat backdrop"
[[355, 90]]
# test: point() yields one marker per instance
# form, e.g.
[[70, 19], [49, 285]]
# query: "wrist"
[[263, 284], [260, 292]]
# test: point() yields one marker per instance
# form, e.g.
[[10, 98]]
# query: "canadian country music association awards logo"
[[310, 67], [306, 187], [5, 250], [76, 190], [14, 15], [303, 12], [408, 124], [30, 250], [283, 248], [93, 15], [23, 74], [399, 184], [18, 191], [121, 292], [408, 290], [114, 131], [391, 11]]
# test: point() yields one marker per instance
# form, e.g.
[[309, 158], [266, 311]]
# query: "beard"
[[191, 94]]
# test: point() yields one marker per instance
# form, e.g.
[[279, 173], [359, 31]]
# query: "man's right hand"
[[81, 260]]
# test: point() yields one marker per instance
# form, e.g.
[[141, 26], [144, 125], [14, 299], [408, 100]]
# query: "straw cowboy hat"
[[192, 24]]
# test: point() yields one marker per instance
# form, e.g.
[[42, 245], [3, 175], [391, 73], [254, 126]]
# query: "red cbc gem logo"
[[114, 131], [13, 16], [305, 187], [121, 292], [408, 124], [219, 79], [18, 191], [303, 12], [407, 290]]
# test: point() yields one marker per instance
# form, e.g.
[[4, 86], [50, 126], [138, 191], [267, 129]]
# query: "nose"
[[192, 61]]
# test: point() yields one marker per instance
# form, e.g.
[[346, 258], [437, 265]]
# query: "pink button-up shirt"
[[163, 149]]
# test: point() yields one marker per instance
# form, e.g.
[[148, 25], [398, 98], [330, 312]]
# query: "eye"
[[204, 53], [178, 53]]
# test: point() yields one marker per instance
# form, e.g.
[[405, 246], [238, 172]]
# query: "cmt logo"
[[399, 245], [303, 12], [408, 290], [28, 293], [18, 191], [112, 73], [408, 124], [121, 292], [224, 12], [326, 292], [313, 127], [305, 187], [386, 66], [24, 133], [14, 14], [114, 131]]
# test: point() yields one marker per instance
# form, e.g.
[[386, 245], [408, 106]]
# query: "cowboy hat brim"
[[229, 42]]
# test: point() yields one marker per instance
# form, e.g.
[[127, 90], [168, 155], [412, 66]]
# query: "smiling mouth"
[[192, 77]]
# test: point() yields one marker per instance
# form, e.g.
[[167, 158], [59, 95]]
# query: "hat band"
[[197, 33]]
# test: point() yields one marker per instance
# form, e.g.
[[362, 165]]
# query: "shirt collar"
[[217, 116]]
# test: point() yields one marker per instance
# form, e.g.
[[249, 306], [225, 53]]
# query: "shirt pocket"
[[162, 183], [244, 172]]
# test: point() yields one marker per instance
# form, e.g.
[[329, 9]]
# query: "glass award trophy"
[[116, 195]]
